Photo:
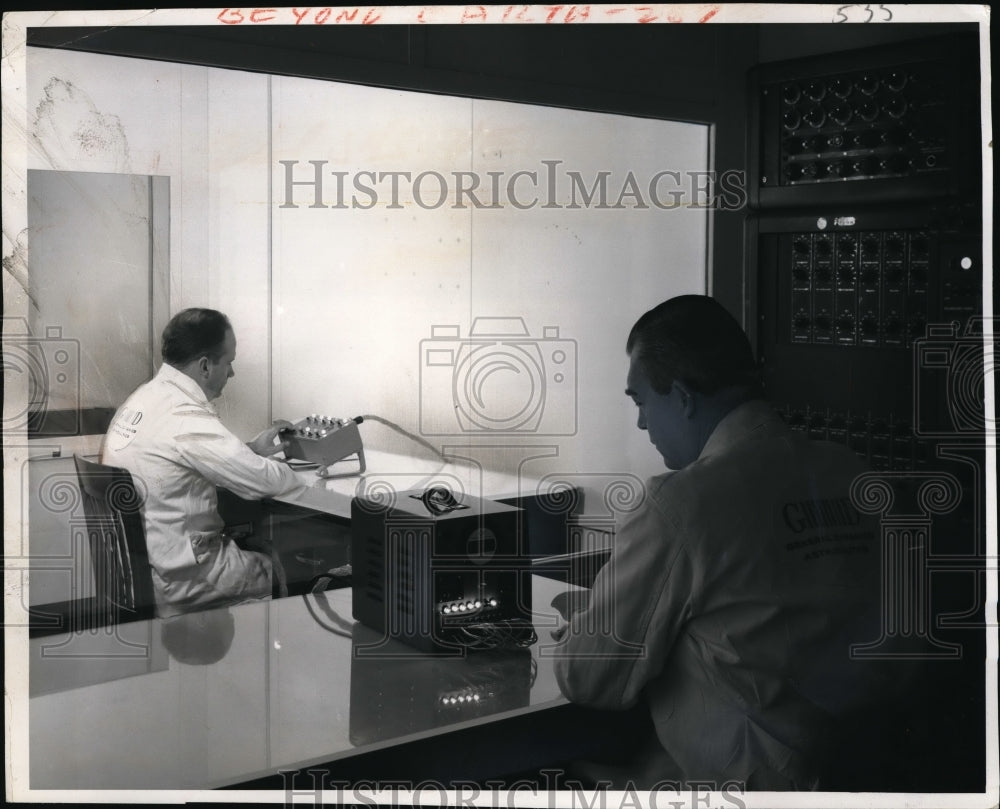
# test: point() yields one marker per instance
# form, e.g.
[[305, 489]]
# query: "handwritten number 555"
[[883, 13]]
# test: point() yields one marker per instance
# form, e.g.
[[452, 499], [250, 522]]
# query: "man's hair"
[[194, 333], [694, 339]]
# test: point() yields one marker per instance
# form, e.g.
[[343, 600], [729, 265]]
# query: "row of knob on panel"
[[892, 327], [868, 111], [861, 167], [872, 247], [866, 84]]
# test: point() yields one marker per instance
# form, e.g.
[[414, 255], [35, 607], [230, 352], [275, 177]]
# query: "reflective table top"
[[223, 696]]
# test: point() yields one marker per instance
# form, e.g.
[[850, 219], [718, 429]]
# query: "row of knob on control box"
[[316, 426]]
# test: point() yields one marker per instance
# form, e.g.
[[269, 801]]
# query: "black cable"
[[403, 431], [342, 573], [516, 634], [318, 619]]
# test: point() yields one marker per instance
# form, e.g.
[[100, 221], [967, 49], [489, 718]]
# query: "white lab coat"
[[169, 436], [729, 604]]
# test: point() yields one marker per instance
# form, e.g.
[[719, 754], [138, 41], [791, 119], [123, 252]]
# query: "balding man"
[[169, 437]]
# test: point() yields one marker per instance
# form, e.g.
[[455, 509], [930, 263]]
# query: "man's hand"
[[264, 444], [566, 604]]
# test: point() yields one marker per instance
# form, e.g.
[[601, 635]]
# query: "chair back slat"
[[112, 507]]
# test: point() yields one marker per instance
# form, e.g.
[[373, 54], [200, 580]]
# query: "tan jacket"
[[730, 603]]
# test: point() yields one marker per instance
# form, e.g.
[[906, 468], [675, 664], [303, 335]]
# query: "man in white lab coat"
[[734, 593], [169, 437]]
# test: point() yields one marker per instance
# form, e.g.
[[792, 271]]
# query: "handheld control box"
[[324, 440]]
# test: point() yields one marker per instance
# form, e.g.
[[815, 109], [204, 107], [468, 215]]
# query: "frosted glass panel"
[[406, 224], [612, 234], [356, 288], [98, 290]]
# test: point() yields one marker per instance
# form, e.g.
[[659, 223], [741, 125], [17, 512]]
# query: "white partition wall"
[[612, 235], [470, 269], [357, 282]]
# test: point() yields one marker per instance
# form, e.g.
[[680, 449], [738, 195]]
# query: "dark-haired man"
[[734, 593], [169, 436]]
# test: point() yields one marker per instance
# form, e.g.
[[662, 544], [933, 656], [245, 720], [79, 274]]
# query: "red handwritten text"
[[523, 14], [474, 14], [235, 16]]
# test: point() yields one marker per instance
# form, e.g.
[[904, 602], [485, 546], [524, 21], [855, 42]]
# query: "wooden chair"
[[123, 582]]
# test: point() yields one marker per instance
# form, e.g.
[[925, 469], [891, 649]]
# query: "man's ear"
[[203, 365], [687, 399]]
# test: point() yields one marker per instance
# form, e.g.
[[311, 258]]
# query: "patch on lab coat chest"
[[124, 428]]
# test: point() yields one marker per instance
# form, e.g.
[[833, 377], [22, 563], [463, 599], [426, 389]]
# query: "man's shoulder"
[[670, 493], [676, 496], [763, 461], [157, 411], [163, 394]]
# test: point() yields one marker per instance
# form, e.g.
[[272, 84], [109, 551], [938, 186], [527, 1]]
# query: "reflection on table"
[[395, 692], [229, 695]]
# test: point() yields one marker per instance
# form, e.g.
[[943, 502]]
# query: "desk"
[[387, 471], [116, 709], [309, 526]]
